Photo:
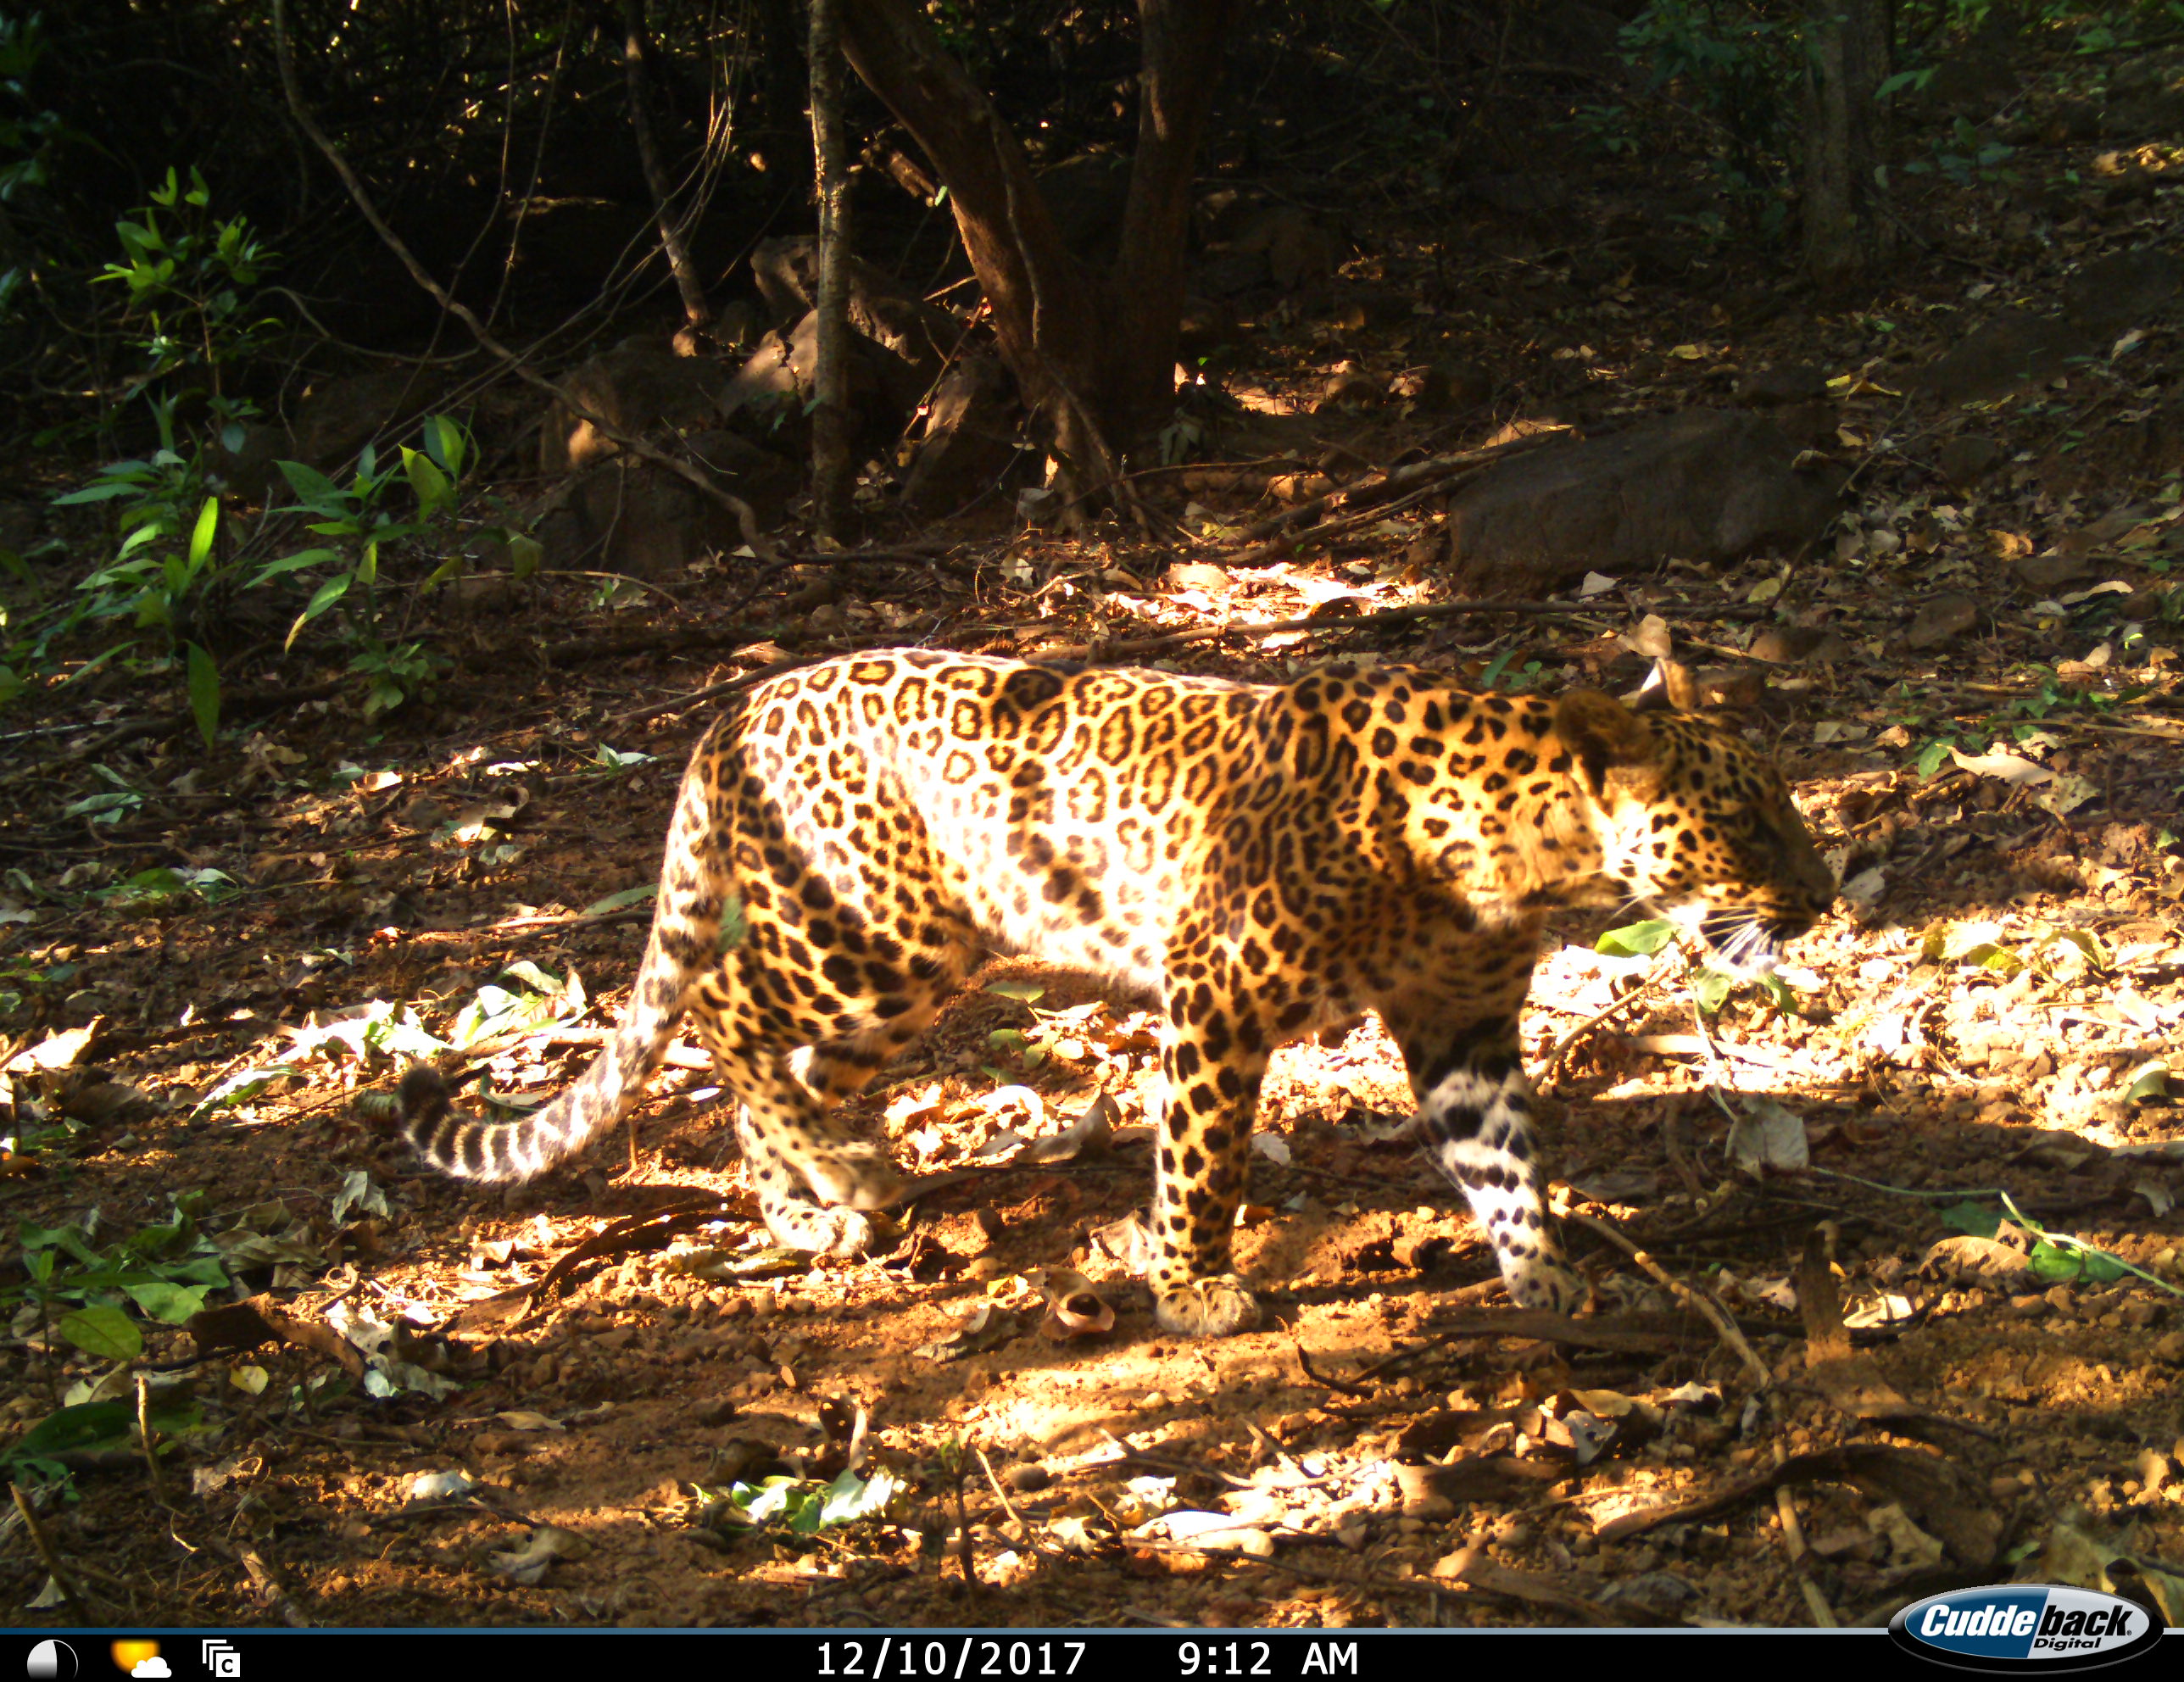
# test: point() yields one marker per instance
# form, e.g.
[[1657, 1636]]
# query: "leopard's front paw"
[[854, 1175], [837, 1234], [1206, 1308], [1541, 1281]]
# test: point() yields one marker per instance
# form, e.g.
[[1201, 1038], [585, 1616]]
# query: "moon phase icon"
[[51, 1661]]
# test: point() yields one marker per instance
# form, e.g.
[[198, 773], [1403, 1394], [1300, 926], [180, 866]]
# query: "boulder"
[[1704, 485], [2016, 348], [330, 423], [636, 517], [970, 438], [638, 386]]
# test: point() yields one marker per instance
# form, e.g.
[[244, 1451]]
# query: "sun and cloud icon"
[[142, 1660]]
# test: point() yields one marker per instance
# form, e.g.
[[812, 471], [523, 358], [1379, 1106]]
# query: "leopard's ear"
[[1603, 733], [1668, 688]]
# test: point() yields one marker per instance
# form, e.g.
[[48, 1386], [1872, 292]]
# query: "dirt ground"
[[1827, 1367]]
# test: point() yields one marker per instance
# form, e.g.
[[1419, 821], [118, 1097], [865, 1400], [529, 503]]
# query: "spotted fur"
[[1259, 861]]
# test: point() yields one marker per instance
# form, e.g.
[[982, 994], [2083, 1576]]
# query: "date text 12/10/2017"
[[975, 1658]]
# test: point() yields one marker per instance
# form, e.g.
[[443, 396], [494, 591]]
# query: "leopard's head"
[[1696, 823]]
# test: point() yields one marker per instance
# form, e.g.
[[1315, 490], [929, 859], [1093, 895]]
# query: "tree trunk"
[[831, 467], [1094, 353], [1848, 48]]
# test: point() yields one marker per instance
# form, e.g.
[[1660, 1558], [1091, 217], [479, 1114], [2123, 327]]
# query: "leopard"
[[1256, 862]]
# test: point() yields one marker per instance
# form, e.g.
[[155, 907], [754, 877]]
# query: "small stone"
[[2060, 1299], [2170, 1347], [1787, 383], [2028, 1307], [1944, 618], [1027, 1480], [1964, 461]]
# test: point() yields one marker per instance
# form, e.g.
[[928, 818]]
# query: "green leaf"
[[322, 599], [169, 1304], [1974, 1219], [246, 1083], [201, 536], [435, 494], [316, 492], [294, 563], [204, 692], [84, 1426], [525, 555], [1025, 990], [1711, 988], [444, 443], [615, 902], [1637, 939], [106, 1332]]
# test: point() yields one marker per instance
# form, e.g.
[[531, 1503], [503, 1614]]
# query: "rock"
[[640, 385], [1042, 506], [1792, 644], [1444, 388], [1965, 460], [2011, 350], [1296, 247], [970, 438], [1704, 485], [1350, 386], [1944, 618], [2145, 95], [637, 518], [2015, 349], [1783, 382], [2046, 572], [332, 421]]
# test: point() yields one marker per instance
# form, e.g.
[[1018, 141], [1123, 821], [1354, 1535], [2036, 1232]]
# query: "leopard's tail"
[[686, 928]]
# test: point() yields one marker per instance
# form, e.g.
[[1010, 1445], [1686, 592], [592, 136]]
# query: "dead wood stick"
[[1801, 1558], [1132, 647], [1394, 481], [44, 1544], [1716, 1314], [746, 520], [1623, 1003], [1291, 541]]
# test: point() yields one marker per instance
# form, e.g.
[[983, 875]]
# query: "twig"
[[150, 1442], [1290, 542], [1304, 1360], [1392, 482], [1100, 651], [1562, 1045], [1717, 1317], [1317, 1574], [44, 1545], [1801, 1558]]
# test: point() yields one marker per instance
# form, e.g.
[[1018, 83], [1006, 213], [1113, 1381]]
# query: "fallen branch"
[[1394, 482], [1716, 1314]]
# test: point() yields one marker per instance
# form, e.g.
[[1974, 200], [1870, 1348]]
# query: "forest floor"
[[1843, 1372]]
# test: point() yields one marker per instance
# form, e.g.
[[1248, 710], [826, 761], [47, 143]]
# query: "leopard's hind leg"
[[815, 1181]]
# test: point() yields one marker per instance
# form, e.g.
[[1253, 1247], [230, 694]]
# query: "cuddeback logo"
[[2024, 1626]]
